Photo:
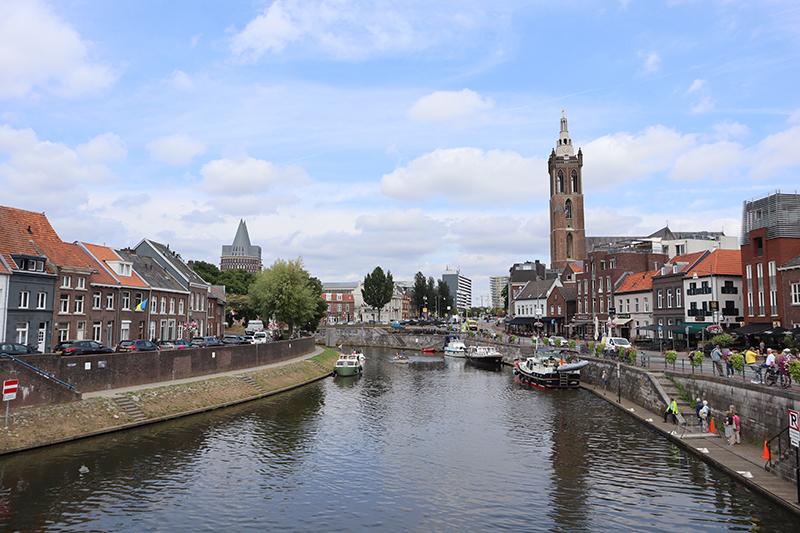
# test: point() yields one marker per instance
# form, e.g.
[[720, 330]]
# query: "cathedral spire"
[[564, 142]]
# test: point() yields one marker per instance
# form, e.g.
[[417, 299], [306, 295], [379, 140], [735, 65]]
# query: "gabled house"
[[530, 308], [668, 295], [713, 289], [634, 298]]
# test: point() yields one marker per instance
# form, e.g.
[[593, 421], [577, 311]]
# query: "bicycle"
[[776, 377]]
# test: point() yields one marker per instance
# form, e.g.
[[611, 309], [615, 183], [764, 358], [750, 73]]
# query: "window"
[[63, 304], [669, 298], [750, 310], [678, 302], [63, 331], [66, 282], [602, 305], [338, 308], [575, 186], [96, 300], [580, 306], [772, 274], [153, 304], [559, 310], [81, 283], [660, 328], [22, 332], [627, 305], [758, 244], [81, 331], [568, 208], [600, 285], [24, 300], [191, 302], [636, 305], [760, 303], [646, 302], [180, 306], [79, 304], [97, 331], [660, 299], [172, 306], [795, 289], [163, 305], [669, 333], [126, 300], [552, 310], [773, 302], [137, 301], [560, 182], [41, 300], [110, 300], [748, 272]]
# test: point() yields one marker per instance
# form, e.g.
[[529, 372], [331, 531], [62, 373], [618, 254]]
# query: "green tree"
[[378, 289], [210, 273], [322, 306], [243, 310], [283, 291], [420, 291], [236, 281], [444, 298], [504, 294]]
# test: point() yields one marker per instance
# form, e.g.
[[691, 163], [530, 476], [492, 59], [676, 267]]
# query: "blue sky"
[[410, 135]]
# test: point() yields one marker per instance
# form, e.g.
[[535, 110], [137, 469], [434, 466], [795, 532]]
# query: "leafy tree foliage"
[[504, 294], [240, 305], [285, 291], [444, 297], [378, 289], [420, 291], [207, 271], [236, 281], [321, 309]]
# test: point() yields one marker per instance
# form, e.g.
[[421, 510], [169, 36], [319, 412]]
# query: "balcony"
[[698, 290], [697, 312], [729, 290], [730, 311]]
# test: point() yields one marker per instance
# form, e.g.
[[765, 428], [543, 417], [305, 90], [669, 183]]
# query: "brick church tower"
[[567, 233]]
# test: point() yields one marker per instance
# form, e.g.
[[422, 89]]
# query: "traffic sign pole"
[[9, 393]]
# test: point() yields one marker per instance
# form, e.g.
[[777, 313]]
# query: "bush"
[[546, 341], [600, 348], [723, 340], [557, 342], [737, 361], [697, 358], [621, 353], [572, 344], [671, 356], [630, 354], [590, 345], [794, 370]]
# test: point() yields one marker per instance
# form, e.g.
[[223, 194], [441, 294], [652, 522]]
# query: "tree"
[[378, 289], [283, 291], [210, 273], [504, 294], [445, 299], [420, 288], [321, 309], [243, 310], [236, 281]]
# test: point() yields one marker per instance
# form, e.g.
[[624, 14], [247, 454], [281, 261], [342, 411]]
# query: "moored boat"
[[484, 355], [349, 364], [400, 358], [454, 346], [550, 369]]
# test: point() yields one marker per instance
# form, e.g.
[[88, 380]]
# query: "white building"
[[460, 287]]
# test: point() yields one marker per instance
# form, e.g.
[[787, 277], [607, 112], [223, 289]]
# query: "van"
[[612, 343], [254, 326]]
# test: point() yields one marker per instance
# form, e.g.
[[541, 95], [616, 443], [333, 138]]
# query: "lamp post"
[[538, 313]]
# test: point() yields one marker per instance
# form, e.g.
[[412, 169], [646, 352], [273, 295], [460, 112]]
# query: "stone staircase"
[[686, 411], [130, 408], [251, 382]]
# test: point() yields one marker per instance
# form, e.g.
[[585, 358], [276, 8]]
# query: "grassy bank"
[[38, 426]]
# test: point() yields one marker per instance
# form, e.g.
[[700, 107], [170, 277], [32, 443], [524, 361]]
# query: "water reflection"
[[433, 445]]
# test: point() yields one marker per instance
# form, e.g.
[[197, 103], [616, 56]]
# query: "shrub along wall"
[[116, 370]]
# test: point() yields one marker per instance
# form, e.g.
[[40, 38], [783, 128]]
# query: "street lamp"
[[538, 313]]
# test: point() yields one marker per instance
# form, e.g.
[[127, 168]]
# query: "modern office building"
[[460, 287], [496, 284]]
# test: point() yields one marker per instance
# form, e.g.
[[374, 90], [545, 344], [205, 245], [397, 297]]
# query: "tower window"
[[575, 186], [560, 182], [568, 208]]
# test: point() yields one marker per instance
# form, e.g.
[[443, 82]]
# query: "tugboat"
[[550, 369], [484, 356], [349, 364]]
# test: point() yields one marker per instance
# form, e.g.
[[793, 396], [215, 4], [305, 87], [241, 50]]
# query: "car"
[[398, 325], [612, 343], [12, 348], [80, 347], [137, 345], [351, 323], [205, 342], [564, 342], [234, 339], [259, 337], [173, 345], [248, 338], [181, 344]]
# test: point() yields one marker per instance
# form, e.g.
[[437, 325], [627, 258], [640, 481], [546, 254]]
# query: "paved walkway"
[[110, 393], [742, 461]]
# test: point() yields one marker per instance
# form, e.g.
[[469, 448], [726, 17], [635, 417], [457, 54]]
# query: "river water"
[[434, 445]]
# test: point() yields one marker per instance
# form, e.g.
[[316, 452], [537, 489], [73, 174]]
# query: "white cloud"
[[698, 85], [709, 161], [795, 118], [468, 175], [269, 32], [776, 153], [706, 104], [40, 50], [102, 148], [176, 149], [247, 176], [449, 105], [180, 80], [621, 157], [651, 63], [731, 130]]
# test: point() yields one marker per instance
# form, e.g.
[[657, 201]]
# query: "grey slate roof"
[[154, 274]]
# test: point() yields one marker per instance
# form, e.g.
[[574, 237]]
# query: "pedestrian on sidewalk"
[[737, 429], [697, 407], [672, 409], [727, 355], [729, 427], [716, 357], [605, 379], [704, 412]]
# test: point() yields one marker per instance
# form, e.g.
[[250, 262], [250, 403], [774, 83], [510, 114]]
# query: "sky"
[[409, 135]]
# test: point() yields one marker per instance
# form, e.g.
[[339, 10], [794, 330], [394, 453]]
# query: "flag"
[[233, 313], [140, 307]]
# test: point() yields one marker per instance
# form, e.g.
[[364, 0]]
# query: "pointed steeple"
[[241, 243], [564, 142]]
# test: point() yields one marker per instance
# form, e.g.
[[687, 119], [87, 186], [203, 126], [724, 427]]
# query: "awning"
[[522, 321], [694, 327], [621, 321], [751, 329], [581, 322]]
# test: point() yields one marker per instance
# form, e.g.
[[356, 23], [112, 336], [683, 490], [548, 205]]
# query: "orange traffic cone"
[[766, 451], [711, 430]]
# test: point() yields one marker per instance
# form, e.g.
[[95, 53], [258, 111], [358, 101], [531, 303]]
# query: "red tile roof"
[[719, 262], [106, 254], [638, 281], [18, 229]]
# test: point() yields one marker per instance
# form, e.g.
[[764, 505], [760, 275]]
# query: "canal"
[[434, 445]]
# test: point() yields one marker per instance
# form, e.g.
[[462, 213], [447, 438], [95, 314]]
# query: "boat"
[[428, 350], [550, 369], [483, 355], [400, 358], [349, 364], [454, 346]]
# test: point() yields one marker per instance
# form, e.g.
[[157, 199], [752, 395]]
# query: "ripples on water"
[[435, 445]]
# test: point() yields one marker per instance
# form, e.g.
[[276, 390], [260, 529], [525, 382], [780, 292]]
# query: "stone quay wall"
[[88, 373]]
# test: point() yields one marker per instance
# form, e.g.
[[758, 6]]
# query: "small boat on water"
[[550, 369], [483, 355], [428, 350], [400, 358], [349, 364], [454, 346]]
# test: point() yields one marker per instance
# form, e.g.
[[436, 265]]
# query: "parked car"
[[260, 337], [137, 345], [398, 325], [205, 342], [612, 343], [173, 345], [234, 339], [12, 348], [82, 347]]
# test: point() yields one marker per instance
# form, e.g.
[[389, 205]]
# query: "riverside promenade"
[[743, 461]]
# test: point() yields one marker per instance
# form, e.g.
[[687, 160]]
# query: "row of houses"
[[51, 291], [669, 283], [346, 303]]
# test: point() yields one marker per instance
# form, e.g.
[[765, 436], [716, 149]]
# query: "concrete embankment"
[[119, 409]]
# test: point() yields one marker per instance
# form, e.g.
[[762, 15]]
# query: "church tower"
[[567, 233]]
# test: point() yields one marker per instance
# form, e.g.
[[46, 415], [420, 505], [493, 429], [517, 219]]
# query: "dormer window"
[[121, 268]]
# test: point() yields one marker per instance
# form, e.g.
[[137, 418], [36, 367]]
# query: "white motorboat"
[[454, 346], [550, 369], [349, 364], [484, 355]]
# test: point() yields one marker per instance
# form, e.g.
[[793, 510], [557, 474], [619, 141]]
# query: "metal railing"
[[781, 442], [42, 372]]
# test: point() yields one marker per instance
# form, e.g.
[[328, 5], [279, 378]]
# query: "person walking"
[[605, 379], [716, 357], [672, 409], [729, 427], [750, 360], [737, 429], [697, 407], [728, 356], [704, 412]]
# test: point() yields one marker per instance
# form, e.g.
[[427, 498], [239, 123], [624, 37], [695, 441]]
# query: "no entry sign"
[[10, 389]]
